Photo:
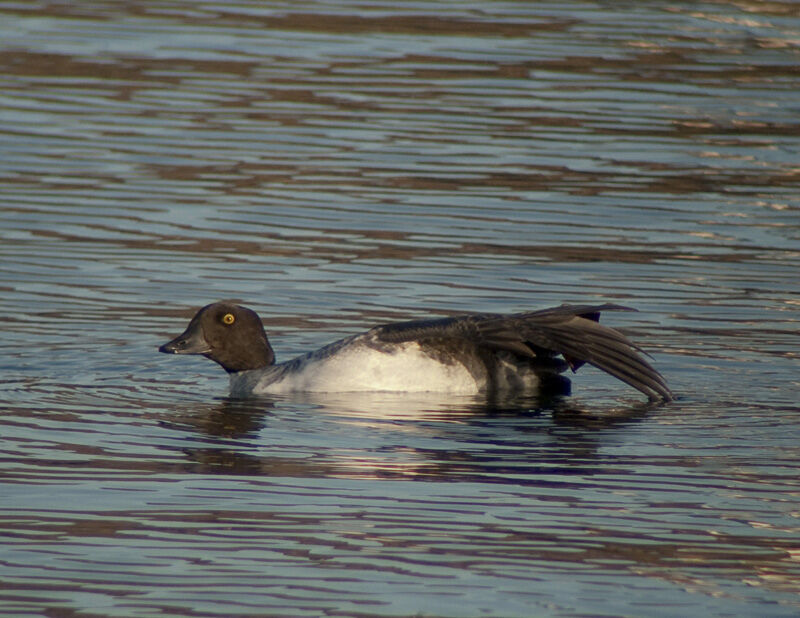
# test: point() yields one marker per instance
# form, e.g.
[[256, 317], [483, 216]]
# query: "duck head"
[[228, 334]]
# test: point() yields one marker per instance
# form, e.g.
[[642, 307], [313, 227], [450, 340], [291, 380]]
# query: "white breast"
[[361, 368]]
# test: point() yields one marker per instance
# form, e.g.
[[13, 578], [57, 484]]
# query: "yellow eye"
[[228, 319]]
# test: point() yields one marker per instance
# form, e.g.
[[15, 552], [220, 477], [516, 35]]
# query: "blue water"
[[340, 165]]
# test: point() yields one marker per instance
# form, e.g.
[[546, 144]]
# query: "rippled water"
[[335, 165]]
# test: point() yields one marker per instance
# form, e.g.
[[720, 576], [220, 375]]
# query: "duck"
[[464, 354]]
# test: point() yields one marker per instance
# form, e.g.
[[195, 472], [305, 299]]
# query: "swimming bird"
[[465, 354]]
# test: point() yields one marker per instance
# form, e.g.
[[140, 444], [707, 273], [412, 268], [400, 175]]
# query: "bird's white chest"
[[360, 368]]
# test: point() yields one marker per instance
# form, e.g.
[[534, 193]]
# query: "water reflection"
[[230, 419], [404, 437]]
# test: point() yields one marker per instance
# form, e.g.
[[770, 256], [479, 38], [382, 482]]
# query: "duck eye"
[[228, 319]]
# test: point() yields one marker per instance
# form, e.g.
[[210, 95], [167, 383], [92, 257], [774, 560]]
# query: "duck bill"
[[191, 341]]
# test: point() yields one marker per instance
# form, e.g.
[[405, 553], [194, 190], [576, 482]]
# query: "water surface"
[[339, 165]]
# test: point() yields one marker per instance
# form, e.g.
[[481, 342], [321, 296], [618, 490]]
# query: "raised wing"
[[572, 331]]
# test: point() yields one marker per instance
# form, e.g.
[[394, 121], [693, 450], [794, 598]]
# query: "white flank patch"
[[358, 369]]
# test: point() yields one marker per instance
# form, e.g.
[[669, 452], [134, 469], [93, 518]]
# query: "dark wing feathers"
[[609, 350], [570, 330]]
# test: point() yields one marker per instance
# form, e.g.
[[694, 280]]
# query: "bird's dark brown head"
[[228, 334]]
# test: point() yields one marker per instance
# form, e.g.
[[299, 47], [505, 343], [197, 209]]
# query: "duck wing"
[[573, 331]]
